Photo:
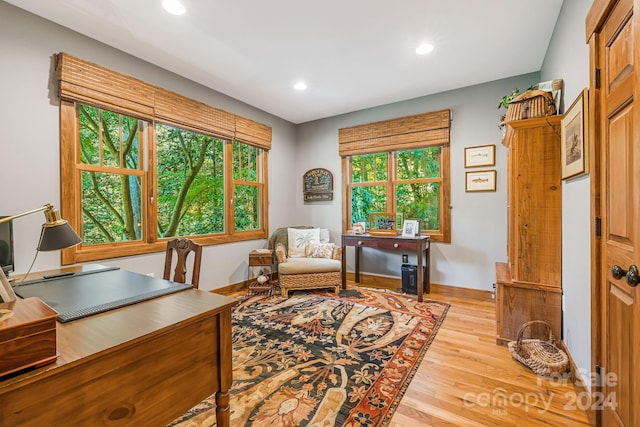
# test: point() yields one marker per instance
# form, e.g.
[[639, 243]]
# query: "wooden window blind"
[[85, 82], [405, 133]]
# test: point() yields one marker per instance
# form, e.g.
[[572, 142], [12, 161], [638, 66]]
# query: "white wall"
[[29, 147], [478, 220], [568, 58]]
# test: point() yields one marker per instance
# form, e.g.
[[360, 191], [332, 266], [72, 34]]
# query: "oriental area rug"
[[317, 359]]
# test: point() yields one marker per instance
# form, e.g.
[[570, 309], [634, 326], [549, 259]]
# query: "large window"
[[400, 165], [134, 177], [408, 181]]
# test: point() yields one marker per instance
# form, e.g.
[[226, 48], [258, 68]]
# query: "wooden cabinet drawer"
[[392, 244], [403, 245]]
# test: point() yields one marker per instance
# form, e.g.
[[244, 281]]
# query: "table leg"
[[344, 265], [358, 251], [223, 413], [427, 275], [222, 409], [420, 278]]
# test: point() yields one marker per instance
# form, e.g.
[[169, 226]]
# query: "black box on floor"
[[409, 278]]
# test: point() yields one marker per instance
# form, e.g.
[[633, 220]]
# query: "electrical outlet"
[[405, 258]]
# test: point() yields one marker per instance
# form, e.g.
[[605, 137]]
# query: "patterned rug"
[[317, 359]]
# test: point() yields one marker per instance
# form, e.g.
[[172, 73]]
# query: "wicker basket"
[[533, 103], [540, 355]]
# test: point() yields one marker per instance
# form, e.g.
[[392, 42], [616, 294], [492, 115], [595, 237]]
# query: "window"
[[111, 176], [409, 174], [132, 177], [417, 188]]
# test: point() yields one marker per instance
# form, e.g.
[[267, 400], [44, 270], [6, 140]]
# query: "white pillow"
[[319, 250], [325, 237], [298, 239]]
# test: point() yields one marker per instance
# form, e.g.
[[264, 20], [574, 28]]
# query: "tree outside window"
[[183, 172], [413, 182]]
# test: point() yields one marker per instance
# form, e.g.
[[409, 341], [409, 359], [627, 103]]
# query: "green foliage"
[[417, 190], [420, 201], [111, 202], [246, 203], [190, 196], [190, 182], [505, 100], [365, 200]]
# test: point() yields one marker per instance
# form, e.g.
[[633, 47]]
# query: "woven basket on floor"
[[540, 355]]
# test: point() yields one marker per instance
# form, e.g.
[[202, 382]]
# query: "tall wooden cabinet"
[[528, 286]]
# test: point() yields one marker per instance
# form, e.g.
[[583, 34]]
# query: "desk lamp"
[[56, 234]]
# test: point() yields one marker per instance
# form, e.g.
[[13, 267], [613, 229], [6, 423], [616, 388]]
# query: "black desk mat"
[[75, 297]]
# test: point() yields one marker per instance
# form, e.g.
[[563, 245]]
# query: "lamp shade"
[[58, 236], [56, 232]]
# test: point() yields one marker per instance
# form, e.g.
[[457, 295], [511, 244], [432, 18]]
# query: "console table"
[[144, 364], [418, 245]]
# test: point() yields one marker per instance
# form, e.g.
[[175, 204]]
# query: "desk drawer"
[[396, 244], [149, 381]]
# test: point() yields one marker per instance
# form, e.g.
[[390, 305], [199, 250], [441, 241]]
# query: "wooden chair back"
[[182, 248]]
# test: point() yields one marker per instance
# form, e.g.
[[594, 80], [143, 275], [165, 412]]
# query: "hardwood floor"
[[466, 379]]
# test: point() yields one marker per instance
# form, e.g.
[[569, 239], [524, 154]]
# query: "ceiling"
[[353, 54]]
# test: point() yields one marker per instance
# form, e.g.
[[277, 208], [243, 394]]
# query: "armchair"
[[307, 262]]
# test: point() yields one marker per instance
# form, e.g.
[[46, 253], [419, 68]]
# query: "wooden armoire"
[[528, 285]]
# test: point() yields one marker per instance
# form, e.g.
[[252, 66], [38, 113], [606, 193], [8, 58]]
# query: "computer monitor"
[[6, 246]]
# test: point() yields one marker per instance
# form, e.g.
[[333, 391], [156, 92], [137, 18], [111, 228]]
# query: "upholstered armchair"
[[306, 259]]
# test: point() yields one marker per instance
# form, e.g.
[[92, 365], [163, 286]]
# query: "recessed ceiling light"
[[300, 86], [425, 48], [174, 7]]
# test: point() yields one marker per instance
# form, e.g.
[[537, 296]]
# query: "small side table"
[[260, 263]]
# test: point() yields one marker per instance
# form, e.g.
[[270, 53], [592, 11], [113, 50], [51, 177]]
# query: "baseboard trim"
[[579, 384], [395, 284], [383, 282], [231, 289]]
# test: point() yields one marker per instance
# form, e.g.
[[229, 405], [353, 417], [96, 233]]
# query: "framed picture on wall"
[[574, 148], [480, 181], [484, 155]]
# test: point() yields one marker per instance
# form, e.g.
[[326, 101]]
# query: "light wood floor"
[[465, 379]]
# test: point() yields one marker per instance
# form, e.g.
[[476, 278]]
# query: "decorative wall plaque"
[[317, 184]]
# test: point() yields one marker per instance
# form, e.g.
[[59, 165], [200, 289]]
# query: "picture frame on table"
[[384, 223], [574, 147], [411, 228], [483, 155], [480, 181], [6, 291], [359, 227]]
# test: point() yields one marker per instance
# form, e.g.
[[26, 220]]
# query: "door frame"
[[595, 19]]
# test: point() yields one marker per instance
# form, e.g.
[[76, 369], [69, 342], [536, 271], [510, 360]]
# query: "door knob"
[[617, 272], [632, 275]]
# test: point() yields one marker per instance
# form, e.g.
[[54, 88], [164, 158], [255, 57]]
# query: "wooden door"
[[620, 208]]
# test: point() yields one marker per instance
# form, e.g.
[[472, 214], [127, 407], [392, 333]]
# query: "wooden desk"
[[418, 245], [145, 364]]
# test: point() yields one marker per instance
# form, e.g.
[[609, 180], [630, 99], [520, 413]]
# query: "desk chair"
[[182, 247]]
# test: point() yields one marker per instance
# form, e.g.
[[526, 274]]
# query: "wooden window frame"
[[441, 235], [391, 136], [90, 84]]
